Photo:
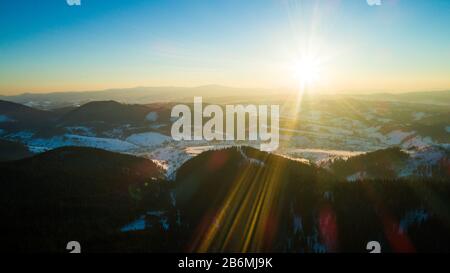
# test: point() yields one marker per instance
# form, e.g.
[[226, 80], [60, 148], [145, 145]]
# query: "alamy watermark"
[[191, 127]]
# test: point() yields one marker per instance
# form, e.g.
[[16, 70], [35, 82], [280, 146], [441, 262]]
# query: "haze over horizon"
[[331, 46], [270, 91]]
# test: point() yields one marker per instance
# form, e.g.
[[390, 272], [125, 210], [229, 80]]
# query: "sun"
[[307, 70]]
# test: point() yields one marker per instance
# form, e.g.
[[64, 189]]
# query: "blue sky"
[[48, 46]]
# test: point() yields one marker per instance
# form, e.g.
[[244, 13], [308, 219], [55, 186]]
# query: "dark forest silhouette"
[[87, 195]]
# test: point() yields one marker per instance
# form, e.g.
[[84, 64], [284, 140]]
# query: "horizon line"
[[289, 89]]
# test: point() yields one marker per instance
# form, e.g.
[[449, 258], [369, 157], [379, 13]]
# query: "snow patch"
[[356, 176], [321, 155], [419, 115], [328, 195], [196, 150], [417, 142], [396, 137], [298, 226], [139, 224], [249, 159], [173, 200], [109, 144], [422, 158], [148, 139], [152, 116], [170, 157], [314, 243], [5, 118], [22, 135], [412, 217], [157, 213]]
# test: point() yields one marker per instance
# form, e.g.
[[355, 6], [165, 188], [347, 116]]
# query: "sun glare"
[[307, 70]]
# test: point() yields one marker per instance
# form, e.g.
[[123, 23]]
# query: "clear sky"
[[400, 45]]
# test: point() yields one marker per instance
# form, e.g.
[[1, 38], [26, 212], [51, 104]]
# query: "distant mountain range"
[[428, 97], [141, 95], [213, 93], [99, 116]]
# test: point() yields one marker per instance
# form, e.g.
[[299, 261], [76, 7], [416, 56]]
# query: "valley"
[[321, 131], [347, 171]]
